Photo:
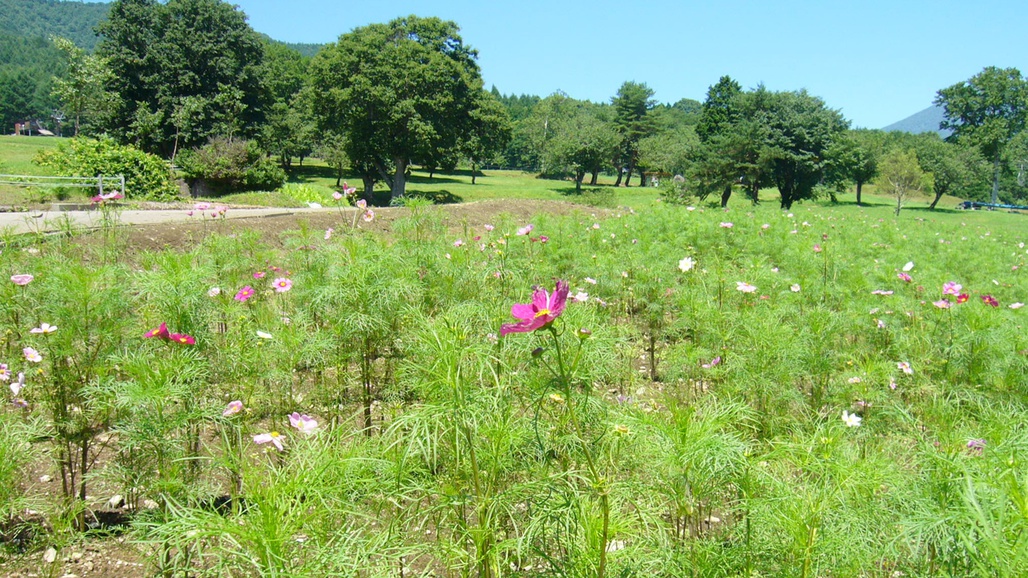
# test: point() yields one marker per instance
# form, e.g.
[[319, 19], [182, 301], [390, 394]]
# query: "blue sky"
[[877, 61]]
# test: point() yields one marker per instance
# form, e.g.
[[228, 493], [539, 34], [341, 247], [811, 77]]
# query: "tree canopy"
[[406, 89]]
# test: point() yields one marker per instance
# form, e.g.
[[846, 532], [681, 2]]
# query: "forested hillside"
[[27, 66], [42, 18]]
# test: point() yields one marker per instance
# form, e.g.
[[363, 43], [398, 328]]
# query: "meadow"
[[683, 391]]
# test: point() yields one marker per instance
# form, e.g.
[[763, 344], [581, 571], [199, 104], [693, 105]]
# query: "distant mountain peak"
[[925, 121]]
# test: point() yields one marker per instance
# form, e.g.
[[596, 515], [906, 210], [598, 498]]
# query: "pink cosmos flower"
[[101, 199], [905, 368], [233, 408], [543, 238], [368, 216], [44, 328], [160, 332], [272, 437], [744, 287], [765, 226], [541, 312], [963, 297], [201, 206], [795, 288], [942, 304], [18, 385], [214, 291], [302, 422], [881, 292], [976, 446], [726, 225], [282, 284], [22, 279], [5, 373], [458, 243], [590, 280], [362, 204], [817, 248], [713, 363], [182, 338], [1017, 305], [244, 294], [581, 297], [328, 233], [905, 277], [489, 227], [32, 355], [990, 301], [337, 196], [951, 288], [259, 274], [526, 229]]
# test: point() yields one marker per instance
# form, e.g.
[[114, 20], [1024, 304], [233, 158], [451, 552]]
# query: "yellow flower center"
[[542, 312], [274, 434]]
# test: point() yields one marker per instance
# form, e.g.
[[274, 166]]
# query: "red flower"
[[963, 297], [990, 300], [160, 332], [182, 338], [544, 308]]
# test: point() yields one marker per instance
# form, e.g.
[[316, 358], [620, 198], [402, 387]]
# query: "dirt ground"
[[115, 556], [181, 235]]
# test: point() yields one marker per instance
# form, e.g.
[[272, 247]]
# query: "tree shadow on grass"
[[435, 180], [441, 197], [309, 174]]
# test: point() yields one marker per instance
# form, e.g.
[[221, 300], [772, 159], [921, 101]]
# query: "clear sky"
[[878, 61]]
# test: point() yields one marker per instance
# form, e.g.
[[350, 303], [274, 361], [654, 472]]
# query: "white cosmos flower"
[[850, 419], [686, 264]]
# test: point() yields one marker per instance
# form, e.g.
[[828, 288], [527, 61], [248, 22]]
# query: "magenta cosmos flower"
[[990, 300], [282, 284], [159, 332], [182, 338], [23, 279], [244, 294], [544, 308]]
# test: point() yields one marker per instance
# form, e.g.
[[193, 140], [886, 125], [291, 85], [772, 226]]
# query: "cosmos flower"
[[744, 287], [726, 225], [713, 363], [273, 437], [182, 338], [160, 332], [22, 279], [32, 355], [795, 288], [44, 328], [990, 301], [244, 294], [905, 367], [282, 284], [905, 277], [368, 216], [686, 264], [541, 312], [214, 291], [302, 422], [951, 288], [963, 297], [526, 229], [233, 408], [850, 419]]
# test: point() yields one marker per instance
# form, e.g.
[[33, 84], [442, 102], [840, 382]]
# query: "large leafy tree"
[[573, 137], [987, 111], [199, 55], [854, 158], [954, 168], [401, 92], [490, 132], [81, 90]]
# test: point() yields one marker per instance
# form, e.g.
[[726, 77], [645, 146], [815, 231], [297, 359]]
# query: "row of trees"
[[173, 76]]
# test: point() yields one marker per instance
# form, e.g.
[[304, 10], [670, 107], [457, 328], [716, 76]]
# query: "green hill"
[[43, 18]]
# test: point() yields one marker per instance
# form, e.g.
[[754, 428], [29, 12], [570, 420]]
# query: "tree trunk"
[[995, 179], [594, 179], [642, 177], [860, 185], [579, 176], [725, 195], [628, 175], [472, 173], [399, 187], [938, 195], [339, 175], [621, 175], [369, 187]]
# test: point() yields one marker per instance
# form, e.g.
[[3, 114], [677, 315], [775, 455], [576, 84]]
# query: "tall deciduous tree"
[[900, 175], [403, 91], [490, 132], [81, 90], [954, 168], [854, 158], [162, 54], [987, 111]]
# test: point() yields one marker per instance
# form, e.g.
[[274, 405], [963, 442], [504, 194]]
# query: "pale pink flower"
[[18, 384], [368, 216], [904, 277], [590, 280], [905, 367], [44, 328], [942, 304], [302, 422], [233, 408], [5, 373], [951, 288], [282, 284], [765, 226], [362, 204], [32, 355], [581, 297], [273, 437], [1017, 305], [526, 229], [881, 324], [201, 206], [23, 279], [726, 225], [854, 379], [337, 196], [795, 288], [489, 227], [214, 291], [881, 292], [458, 243], [817, 248], [744, 287], [713, 363], [328, 233]]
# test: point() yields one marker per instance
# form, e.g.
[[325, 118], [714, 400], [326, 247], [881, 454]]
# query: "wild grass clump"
[[680, 392]]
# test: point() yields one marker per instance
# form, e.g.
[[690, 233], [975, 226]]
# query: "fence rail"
[[112, 182]]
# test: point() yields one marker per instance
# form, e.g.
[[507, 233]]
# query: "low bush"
[[228, 166], [146, 175]]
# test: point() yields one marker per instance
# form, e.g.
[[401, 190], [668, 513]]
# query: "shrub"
[[227, 166], [146, 175]]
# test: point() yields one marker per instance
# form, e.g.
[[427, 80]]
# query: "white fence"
[[99, 183]]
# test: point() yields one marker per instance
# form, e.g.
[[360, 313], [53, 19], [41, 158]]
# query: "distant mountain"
[[43, 18], [925, 121]]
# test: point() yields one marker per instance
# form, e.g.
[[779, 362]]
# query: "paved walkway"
[[52, 221]]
